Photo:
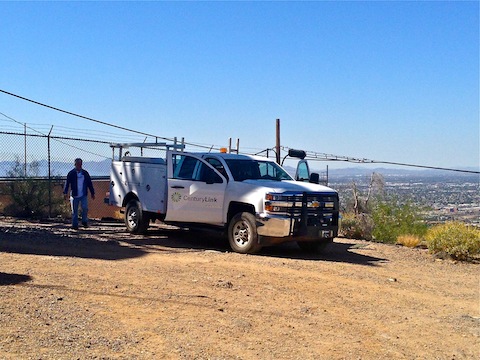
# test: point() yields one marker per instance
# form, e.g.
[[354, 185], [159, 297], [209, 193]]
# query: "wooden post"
[[278, 141]]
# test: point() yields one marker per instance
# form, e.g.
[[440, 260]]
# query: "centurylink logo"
[[176, 196]]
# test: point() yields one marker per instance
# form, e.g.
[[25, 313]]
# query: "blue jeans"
[[84, 202]]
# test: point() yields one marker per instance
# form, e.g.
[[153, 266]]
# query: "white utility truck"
[[250, 198]]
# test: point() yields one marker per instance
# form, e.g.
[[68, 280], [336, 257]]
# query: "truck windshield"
[[256, 170]]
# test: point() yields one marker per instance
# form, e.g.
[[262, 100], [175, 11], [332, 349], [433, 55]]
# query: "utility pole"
[[278, 141]]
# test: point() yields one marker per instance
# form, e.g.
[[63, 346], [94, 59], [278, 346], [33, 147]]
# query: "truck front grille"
[[316, 209]]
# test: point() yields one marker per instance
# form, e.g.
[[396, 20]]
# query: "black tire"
[[314, 246], [136, 220], [242, 234]]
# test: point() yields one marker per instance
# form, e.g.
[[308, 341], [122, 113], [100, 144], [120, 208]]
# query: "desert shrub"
[[393, 219], [454, 239], [409, 240], [358, 226], [30, 196]]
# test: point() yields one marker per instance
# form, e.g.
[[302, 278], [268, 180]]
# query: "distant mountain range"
[[102, 168], [58, 168]]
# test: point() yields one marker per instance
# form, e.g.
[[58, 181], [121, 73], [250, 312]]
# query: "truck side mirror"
[[300, 154], [315, 178]]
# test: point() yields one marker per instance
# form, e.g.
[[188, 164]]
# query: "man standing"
[[80, 182]]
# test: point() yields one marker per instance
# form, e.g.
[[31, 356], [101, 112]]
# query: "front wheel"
[[136, 220], [242, 234]]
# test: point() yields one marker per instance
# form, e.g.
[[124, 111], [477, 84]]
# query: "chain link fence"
[[34, 155], [33, 168]]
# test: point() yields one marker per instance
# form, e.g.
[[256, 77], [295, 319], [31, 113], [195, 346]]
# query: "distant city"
[[445, 196]]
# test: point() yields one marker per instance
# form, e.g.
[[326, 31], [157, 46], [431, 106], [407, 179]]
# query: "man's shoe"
[[85, 224], [75, 227]]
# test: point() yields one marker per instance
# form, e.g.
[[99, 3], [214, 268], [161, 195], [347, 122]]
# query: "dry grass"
[[410, 241], [117, 215]]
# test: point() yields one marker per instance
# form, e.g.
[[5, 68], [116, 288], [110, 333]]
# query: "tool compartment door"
[[144, 177]]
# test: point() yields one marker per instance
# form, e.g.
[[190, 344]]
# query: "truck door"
[[195, 190], [303, 173]]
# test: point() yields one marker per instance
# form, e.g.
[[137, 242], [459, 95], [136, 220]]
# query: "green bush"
[[393, 219], [455, 239], [356, 226]]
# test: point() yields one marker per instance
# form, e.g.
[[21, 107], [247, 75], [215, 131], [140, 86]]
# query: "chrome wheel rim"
[[241, 234], [132, 218]]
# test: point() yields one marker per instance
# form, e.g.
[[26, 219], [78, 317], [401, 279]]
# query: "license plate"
[[326, 234]]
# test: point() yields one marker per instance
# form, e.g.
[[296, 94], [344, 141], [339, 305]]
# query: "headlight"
[[278, 203]]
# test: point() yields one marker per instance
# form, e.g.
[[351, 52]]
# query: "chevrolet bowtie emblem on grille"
[[315, 204]]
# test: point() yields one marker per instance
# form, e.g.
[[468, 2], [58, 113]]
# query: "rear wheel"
[[136, 220], [314, 246], [242, 234]]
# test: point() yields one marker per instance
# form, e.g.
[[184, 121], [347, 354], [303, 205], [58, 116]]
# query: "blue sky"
[[393, 81]]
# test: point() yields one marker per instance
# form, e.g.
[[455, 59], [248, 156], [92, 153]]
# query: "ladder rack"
[[153, 145]]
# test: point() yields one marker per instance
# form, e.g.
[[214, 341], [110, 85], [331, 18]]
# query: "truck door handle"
[[178, 187]]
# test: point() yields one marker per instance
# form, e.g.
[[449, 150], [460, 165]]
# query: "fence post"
[[49, 176], [25, 150], [327, 176]]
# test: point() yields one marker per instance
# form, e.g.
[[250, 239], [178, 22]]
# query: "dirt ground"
[[100, 293]]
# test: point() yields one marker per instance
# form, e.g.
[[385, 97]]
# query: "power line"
[[78, 115], [310, 154], [103, 122]]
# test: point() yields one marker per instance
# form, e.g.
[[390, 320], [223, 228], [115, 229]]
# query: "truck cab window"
[[207, 175], [256, 170], [189, 168], [269, 171], [218, 166], [184, 167]]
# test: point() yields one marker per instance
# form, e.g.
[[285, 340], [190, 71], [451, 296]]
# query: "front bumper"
[[284, 228]]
